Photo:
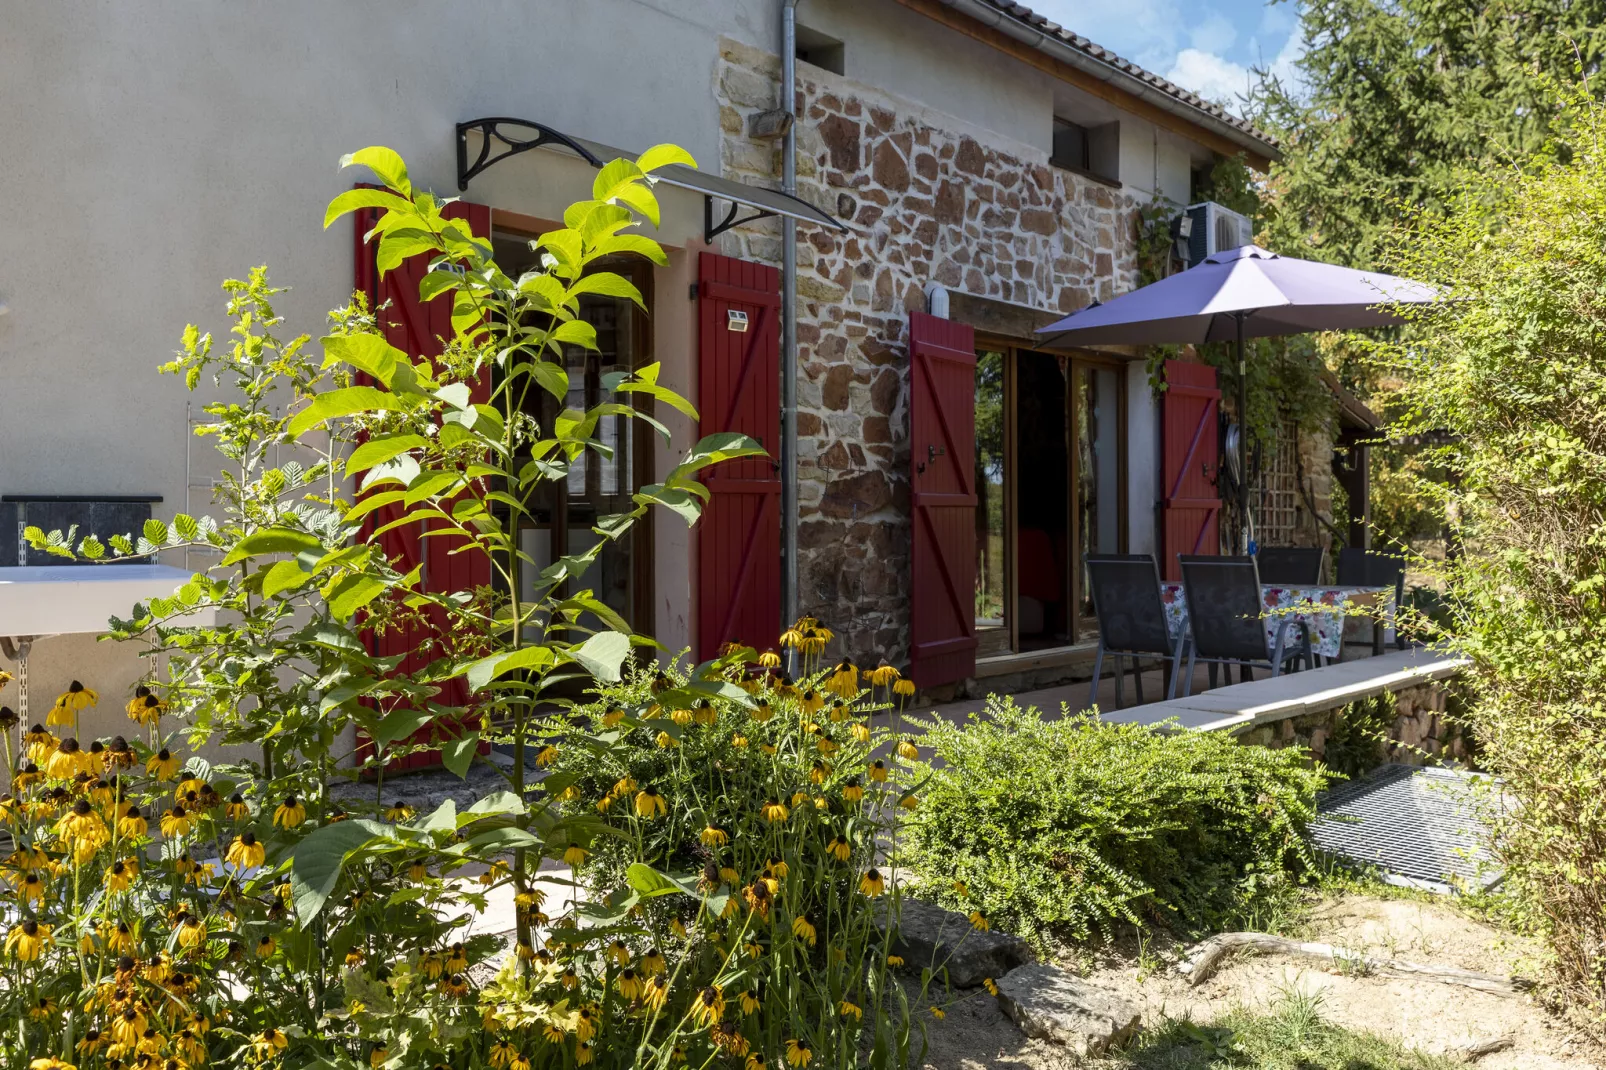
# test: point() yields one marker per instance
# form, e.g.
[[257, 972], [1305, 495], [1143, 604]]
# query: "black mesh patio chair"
[[1367, 568], [1291, 566], [1224, 620], [1126, 600]]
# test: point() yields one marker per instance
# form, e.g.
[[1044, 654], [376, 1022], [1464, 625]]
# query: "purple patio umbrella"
[[1237, 294]]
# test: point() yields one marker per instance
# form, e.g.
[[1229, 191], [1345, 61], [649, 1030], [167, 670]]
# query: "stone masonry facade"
[[927, 198], [1419, 733]]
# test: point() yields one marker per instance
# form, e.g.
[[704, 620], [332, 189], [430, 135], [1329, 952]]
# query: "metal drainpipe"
[[789, 563]]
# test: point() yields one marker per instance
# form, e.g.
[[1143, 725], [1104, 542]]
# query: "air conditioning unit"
[[1209, 228]]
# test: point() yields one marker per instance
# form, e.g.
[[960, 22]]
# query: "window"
[[819, 50], [1049, 491], [1093, 151], [565, 512]]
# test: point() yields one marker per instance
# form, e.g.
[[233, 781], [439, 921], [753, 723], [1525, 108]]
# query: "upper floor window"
[[820, 50], [1093, 151]]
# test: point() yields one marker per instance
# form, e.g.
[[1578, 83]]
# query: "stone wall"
[[927, 199], [1417, 729]]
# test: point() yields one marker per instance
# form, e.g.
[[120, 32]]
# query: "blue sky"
[[1207, 46]]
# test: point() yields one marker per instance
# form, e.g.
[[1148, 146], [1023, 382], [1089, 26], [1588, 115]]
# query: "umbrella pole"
[[1243, 440]]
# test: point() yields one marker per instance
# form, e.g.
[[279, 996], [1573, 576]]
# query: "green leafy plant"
[[1063, 829], [254, 917], [1509, 372]]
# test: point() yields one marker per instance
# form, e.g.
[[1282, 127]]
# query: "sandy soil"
[[1421, 1014]]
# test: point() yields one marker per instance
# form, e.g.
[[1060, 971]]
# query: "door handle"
[[933, 452]]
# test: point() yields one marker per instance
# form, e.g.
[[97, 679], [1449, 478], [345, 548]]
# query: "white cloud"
[[1215, 79], [1214, 33]]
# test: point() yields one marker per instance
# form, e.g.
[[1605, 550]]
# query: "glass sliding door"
[[1050, 469]]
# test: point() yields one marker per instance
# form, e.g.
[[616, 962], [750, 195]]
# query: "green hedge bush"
[[1065, 828]]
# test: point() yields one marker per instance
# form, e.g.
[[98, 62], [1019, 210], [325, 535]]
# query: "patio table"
[[1322, 609]]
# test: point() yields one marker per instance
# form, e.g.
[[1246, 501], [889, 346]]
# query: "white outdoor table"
[[38, 601]]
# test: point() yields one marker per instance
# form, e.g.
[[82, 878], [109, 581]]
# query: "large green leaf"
[[383, 162], [379, 450], [602, 654], [649, 883], [485, 670], [353, 592], [663, 155], [718, 447], [458, 754], [347, 401], [316, 862], [272, 541], [283, 576], [371, 354], [399, 724], [353, 199]]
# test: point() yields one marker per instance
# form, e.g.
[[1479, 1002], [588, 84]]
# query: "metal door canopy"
[[1419, 827]]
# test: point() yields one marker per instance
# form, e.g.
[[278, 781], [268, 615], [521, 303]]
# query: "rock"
[[929, 936], [1049, 1004]]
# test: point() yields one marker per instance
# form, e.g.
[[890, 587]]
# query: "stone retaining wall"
[[1417, 729]]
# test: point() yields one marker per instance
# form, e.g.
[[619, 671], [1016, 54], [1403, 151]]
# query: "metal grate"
[[1421, 827]]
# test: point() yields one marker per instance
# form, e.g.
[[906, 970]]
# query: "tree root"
[[1203, 959]]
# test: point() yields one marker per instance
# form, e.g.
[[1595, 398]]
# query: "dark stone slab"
[[930, 937]]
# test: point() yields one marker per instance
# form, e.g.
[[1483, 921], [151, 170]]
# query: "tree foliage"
[[1512, 364]]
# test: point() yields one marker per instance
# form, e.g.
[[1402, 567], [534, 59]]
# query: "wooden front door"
[[1190, 512], [739, 389], [942, 444]]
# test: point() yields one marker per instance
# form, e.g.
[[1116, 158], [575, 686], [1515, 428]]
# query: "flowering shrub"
[[1064, 828], [753, 827], [168, 912]]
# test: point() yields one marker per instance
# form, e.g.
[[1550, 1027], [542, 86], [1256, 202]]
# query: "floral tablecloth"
[[1323, 609]]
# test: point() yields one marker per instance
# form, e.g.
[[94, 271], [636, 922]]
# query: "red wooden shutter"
[[1191, 511], [420, 329], [942, 446], [739, 389]]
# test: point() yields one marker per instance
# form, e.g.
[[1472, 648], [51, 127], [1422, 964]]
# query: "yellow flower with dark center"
[[799, 798], [860, 733], [176, 822], [878, 771], [872, 883], [554, 1033], [612, 717], [778, 867], [628, 983], [705, 713], [188, 789], [938, 1013], [619, 952], [978, 920], [762, 712], [397, 812], [853, 790], [839, 849], [818, 772], [417, 870], [713, 837], [132, 824], [827, 745], [501, 1053], [269, 1042], [677, 927], [236, 809], [68, 761], [798, 1053], [804, 930], [163, 765], [119, 755], [894, 961], [60, 714], [574, 855], [27, 940], [844, 679], [812, 701], [120, 877], [990, 985], [775, 811], [30, 888], [430, 964], [496, 871], [759, 897], [289, 813], [44, 1009], [191, 931], [681, 717], [769, 660], [850, 1010], [96, 764], [380, 1056], [582, 1054], [792, 637], [904, 688], [666, 741], [883, 675], [26, 777], [585, 1024], [739, 741], [569, 979], [650, 804], [265, 947], [907, 749], [910, 801], [81, 822], [961, 889], [751, 1001], [246, 851], [90, 1043], [77, 697], [455, 984], [654, 993], [624, 786], [839, 712], [708, 1006], [546, 755], [456, 958], [653, 963], [118, 937]]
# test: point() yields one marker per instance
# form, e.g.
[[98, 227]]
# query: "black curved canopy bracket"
[[494, 130]]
